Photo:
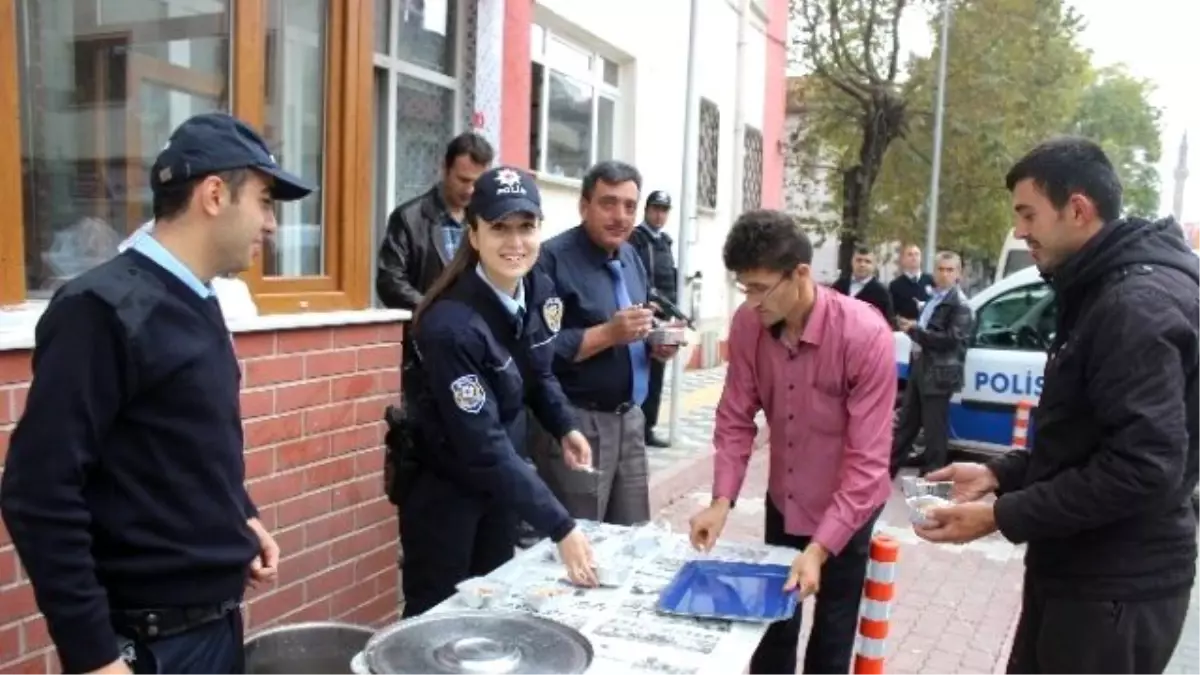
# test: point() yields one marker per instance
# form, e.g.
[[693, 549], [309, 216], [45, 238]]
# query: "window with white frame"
[[573, 107]]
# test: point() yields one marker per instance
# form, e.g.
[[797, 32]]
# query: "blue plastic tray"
[[715, 589]]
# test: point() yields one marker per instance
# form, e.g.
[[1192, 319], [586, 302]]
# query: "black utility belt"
[[157, 624], [592, 406]]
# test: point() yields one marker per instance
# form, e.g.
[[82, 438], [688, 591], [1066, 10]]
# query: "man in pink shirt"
[[821, 366]]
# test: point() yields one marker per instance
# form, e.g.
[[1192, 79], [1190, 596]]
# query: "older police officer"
[[124, 489], [601, 356]]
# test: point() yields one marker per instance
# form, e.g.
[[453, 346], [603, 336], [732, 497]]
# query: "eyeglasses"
[[760, 293]]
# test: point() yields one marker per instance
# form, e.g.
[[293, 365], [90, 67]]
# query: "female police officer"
[[484, 337]]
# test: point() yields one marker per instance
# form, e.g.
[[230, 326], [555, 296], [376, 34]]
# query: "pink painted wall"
[[774, 103], [516, 84]]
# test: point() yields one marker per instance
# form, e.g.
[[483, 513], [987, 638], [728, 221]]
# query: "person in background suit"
[[939, 351], [862, 284], [654, 247], [912, 288]]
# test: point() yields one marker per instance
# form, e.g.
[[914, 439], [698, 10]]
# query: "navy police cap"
[[213, 142], [503, 191]]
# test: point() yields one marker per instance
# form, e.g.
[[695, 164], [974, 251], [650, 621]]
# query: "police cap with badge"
[[502, 191], [215, 142]]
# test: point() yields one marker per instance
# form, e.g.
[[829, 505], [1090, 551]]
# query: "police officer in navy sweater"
[[124, 487], [484, 338]]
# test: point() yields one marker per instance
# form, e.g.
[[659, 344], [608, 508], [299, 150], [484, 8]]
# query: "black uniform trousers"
[[835, 618], [1060, 635], [930, 412], [449, 535], [213, 647], [650, 407]]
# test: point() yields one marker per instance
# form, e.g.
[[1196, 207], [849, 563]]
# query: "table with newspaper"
[[627, 633]]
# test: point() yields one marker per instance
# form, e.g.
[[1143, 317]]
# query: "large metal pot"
[[483, 642], [301, 648]]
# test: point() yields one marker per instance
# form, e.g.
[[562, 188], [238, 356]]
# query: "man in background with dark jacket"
[[424, 233], [654, 248], [912, 288], [1103, 498], [862, 284], [935, 367]]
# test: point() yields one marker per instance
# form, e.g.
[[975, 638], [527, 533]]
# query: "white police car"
[[1014, 325]]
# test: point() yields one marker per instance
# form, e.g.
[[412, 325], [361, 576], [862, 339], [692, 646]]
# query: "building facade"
[[360, 97]]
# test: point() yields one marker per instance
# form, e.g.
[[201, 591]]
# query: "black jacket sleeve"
[[79, 384], [1009, 470], [1134, 381], [955, 335], [453, 362], [888, 307], [392, 282]]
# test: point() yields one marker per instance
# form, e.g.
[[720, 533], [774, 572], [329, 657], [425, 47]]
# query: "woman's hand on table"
[[576, 553]]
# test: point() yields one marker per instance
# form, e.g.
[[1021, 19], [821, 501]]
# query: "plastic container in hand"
[[919, 487], [919, 507], [481, 593], [667, 336]]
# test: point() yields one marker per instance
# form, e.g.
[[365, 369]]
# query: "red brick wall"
[[312, 401]]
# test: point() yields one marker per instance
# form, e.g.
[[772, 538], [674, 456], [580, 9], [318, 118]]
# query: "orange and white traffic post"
[[879, 590], [1021, 425]]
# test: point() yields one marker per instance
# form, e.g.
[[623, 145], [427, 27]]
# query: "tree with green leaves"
[[854, 105], [1115, 111], [1016, 75]]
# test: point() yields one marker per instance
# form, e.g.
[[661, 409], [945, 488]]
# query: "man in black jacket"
[[911, 290], [863, 285], [1103, 498], [935, 371], [424, 233], [654, 248]]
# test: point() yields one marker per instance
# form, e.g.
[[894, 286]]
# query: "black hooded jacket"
[[1103, 498]]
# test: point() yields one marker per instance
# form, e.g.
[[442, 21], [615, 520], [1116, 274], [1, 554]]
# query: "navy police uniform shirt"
[[124, 485], [480, 365], [579, 270]]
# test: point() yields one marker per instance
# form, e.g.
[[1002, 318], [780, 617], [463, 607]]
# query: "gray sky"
[[1156, 40]]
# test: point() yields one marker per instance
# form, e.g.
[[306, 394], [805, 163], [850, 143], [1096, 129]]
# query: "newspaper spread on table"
[[627, 633]]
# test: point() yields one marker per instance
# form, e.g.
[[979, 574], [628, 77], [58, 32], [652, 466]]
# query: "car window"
[[1021, 319]]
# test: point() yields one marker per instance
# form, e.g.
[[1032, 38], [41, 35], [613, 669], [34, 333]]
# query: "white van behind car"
[[1014, 257]]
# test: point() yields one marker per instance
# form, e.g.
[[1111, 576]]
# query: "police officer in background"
[[484, 339], [123, 490], [653, 245]]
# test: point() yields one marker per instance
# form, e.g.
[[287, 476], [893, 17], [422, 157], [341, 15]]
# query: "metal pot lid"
[[478, 642]]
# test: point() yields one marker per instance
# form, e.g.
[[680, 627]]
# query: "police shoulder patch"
[[552, 314], [468, 393]]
